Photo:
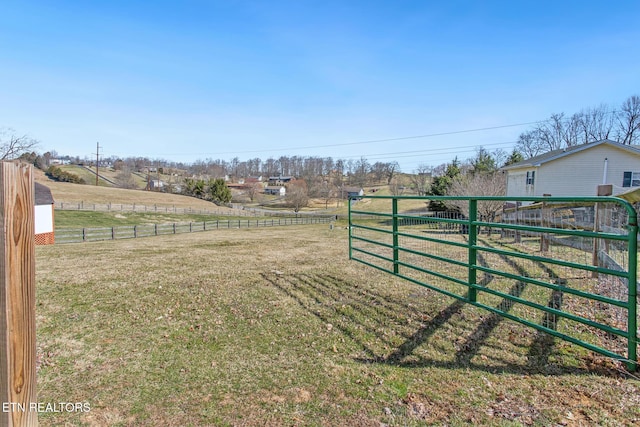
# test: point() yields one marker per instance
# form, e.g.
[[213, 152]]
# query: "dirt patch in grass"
[[278, 327]]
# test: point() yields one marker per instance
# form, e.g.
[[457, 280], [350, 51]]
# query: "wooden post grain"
[[17, 297]]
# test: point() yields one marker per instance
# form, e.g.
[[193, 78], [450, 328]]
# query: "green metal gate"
[[565, 266]]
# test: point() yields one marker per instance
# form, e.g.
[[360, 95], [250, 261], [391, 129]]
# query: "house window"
[[631, 179], [531, 176]]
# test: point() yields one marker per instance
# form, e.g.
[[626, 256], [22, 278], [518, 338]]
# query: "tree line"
[[621, 124], [324, 177], [481, 174]]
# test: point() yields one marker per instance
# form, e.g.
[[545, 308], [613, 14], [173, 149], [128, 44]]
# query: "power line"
[[346, 144], [434, 151]]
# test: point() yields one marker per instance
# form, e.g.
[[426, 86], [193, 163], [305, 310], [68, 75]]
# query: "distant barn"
[[44, 215]]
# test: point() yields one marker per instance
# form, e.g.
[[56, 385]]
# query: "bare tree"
[[125, 179], [396, 188], [421, 179], [552, 132], [253, 190], [589, 125], [328, 192], [13, 145], [487, 184], [297, 196], [530, 144], [360, 170], [629, 121], [597, 123]]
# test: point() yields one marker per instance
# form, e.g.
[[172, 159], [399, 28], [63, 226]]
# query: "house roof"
[[631, 196], [43, 195], [353, 189], [557, 154]]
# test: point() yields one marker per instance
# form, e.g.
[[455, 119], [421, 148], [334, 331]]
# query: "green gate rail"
[[565, 266]]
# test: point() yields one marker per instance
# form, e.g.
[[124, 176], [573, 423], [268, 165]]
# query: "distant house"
[[44, 208], [59, 162], [156, 185], [279, 180], [276, 190], [576, 171], [350, 192]]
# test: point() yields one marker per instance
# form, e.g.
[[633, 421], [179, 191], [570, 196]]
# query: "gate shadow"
[[541, 348], [388, 329]]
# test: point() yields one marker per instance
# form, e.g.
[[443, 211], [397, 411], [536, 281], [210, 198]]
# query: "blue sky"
[[193, 80]]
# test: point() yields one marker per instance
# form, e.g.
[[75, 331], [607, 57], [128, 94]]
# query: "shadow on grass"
[[389, 329], [541, 348]]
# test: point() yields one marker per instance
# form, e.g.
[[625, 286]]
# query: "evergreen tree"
[[219, 191], [441, 184], [514, 157]]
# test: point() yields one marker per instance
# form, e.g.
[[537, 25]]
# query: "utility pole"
[[97, 161]]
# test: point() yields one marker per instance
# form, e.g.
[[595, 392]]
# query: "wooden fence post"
[[17, 296]]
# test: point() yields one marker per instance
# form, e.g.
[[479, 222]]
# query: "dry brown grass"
[[277, 327], [67, 192]]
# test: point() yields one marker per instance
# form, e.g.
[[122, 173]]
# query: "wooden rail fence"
[[77, 235]]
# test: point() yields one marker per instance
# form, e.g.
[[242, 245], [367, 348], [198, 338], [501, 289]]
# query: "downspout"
[[604, 173]]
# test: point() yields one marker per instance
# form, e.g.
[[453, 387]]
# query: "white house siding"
[[576, 174], [580, 174], [516, 183]]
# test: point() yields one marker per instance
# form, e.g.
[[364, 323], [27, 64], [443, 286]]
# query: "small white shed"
[[44, 206]]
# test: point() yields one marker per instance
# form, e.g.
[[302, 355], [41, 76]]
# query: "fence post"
[[394, 210], [17, 295], [473, 254], [632, 298], [350, 230]]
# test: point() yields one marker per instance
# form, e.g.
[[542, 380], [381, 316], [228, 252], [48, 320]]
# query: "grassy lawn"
[[78, 219], [89, 194], [277, 327]]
